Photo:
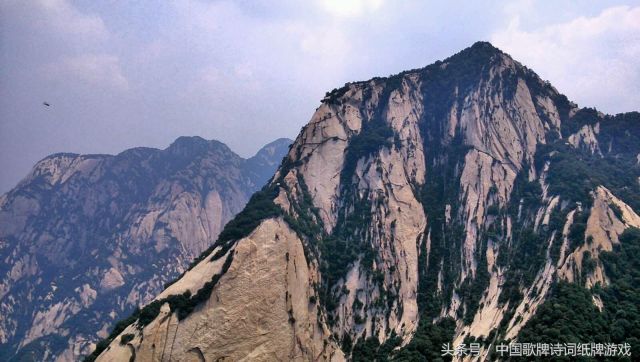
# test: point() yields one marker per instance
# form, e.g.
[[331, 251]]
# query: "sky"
[[121, 74]]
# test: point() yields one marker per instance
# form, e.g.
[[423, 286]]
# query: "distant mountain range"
[[85, 239]]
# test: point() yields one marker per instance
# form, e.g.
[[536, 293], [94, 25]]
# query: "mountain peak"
[[469, 61], [192, 145], [271, 147], [442, 197], [99, 235], [268, 157], [485, 46], [480, 50]]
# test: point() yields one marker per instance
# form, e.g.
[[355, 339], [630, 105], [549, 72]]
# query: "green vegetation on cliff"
[[570, 315]]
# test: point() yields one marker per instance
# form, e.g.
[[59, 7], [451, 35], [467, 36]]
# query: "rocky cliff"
[[85, 239], [440, 205]]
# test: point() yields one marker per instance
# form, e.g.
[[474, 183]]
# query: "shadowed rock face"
[[428, 207], [84, 239]]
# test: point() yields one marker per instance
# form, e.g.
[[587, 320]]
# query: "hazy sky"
[[120, 74]]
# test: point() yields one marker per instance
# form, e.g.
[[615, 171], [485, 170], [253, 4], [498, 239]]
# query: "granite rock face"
[[85, 239], [457, 192]]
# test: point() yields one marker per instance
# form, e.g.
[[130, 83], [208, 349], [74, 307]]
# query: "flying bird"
[[46, 104]]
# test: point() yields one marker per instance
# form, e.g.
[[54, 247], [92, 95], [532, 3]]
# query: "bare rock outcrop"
[[446, 200]]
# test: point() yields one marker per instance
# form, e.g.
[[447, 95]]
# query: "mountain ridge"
[[87, 238], [434, 206]]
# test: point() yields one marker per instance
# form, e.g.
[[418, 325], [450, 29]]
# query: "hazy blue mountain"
[[85, 239]]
